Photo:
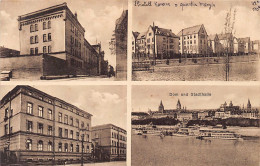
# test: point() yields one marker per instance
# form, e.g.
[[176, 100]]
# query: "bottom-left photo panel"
[[63, 125]]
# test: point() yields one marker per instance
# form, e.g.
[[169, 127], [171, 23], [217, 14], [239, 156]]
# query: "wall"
[[29, 67]]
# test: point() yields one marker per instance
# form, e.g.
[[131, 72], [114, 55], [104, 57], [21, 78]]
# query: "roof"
[[212, 37], [141, 35], [139, 114], [224, 36], [190, 30], [121, 18], [245, 39], [135, 34], [104, 126], [164, 32]]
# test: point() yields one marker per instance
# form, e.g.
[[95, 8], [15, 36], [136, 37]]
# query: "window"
[[31, 28], [77, 123], [44, 38], [71, 147], [29, 108], [50, 114], [31, 40], [36, 39], [44, 25], [29, 126], [71, 134], [40, 111], [194, 41], [71, 121], [6, 112], [36, 50], [60, 117], [77, 148], [60, 147], [49, 146], [60, 132], [87, 138], [40, 128], [44, 49], [28, 144], [36, 27], [66, 119], [150, 34], [40, 145], [82, 124], [49, 49], [6, 129], [87, 126], [66, 133], [49, 24], [49, 36], [77, 135], [49, 130], [66, 147]]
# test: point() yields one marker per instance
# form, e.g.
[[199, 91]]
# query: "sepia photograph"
[[63, 40], [63, 125], [195, 125], [195, 40]]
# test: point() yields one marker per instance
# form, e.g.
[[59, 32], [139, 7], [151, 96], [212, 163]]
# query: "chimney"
[[76, 15]]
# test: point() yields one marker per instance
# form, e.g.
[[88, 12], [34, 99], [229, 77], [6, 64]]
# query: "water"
[[189, 151]]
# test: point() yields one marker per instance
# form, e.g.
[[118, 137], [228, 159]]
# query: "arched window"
[[49, 24], [60, 147], [28, 144], [50, 146], [66, 147], [40, 145]]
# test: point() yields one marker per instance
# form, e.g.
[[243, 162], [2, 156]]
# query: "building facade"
[[214, 46], [227, 43], [56, 33], [193, 40], [161, 43], [110, 140], [37, 127]]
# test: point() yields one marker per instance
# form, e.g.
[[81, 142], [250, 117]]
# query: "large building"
[[7, 52], [56, 34], [161, 43], [38, 127], [193, 40], [110, 140], [227, 43], [214, 46]]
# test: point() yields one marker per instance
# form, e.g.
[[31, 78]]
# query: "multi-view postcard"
[[63, 40], [195, 40], [195, 125]]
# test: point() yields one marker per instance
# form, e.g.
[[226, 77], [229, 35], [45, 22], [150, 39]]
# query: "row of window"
[[67, 147], [118, 136], [40, 111], [115, 151], [71, 134], [45, 25], [189, 37], [66, 121], [35, 39], [35, 51], [75, 31], [115, 143], [40, 127], [76, 63]]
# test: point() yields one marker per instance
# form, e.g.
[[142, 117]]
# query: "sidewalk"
[[112, 163]]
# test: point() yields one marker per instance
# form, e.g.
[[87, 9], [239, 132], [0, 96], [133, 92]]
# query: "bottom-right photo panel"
[[184, 125]]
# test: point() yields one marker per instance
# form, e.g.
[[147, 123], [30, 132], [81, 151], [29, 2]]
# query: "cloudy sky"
[[96, 16], [247, 21], [107, 104], [144, 97]]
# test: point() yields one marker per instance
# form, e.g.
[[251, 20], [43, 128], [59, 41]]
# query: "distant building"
[[247, 44], [7, 52], [214, 46], [161, 43], [256, 46], [37, 127], [193, 40], [227, 43], [121, 46], [134, 45], [110, 141]]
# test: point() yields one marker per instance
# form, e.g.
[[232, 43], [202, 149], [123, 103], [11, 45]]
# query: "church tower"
[[161, 107], [178, 106], [248, 105]]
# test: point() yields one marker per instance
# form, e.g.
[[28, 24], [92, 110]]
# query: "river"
[[189, 151]]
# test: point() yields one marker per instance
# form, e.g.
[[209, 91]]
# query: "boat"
[[217, 134]]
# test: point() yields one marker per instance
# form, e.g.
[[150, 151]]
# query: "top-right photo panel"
[[195, 40]]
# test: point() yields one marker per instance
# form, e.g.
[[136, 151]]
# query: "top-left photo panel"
[[44, 40]]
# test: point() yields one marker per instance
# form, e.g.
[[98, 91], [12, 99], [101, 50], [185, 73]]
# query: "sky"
[[247, 21], [107, 104], [146, 97], [96, 16]]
